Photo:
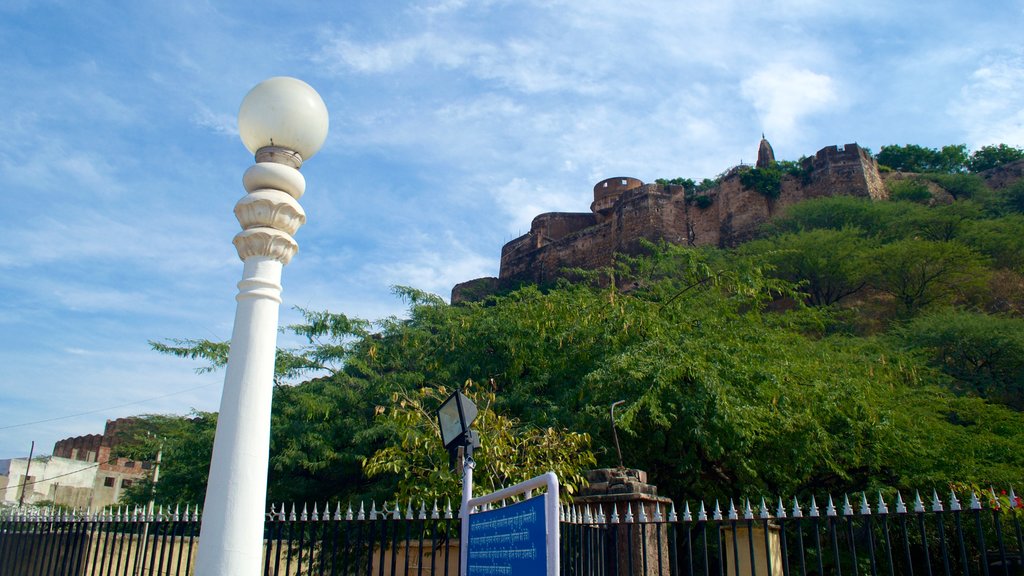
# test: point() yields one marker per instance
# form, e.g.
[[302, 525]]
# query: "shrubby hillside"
[[854, 345]]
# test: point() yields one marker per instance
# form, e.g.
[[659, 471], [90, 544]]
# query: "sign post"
[[518, 539]]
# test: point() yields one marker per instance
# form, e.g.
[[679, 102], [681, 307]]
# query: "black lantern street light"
[[454, 417]]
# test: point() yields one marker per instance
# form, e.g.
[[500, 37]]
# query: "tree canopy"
[[855, 345]]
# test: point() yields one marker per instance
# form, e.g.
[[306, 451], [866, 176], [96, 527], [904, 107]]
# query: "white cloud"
[[783, 95], [436, 265], [523, 200], [220, 123], [991, 103]]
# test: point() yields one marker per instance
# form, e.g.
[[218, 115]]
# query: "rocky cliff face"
[[626, 211]]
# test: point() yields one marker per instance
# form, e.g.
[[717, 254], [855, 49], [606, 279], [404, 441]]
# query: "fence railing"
[[847, 535]]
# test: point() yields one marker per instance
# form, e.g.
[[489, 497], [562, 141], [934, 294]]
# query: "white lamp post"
[[283, 121]]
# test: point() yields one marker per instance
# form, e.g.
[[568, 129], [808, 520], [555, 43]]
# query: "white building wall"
[[50, 478]]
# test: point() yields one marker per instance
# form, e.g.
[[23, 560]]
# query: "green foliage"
[[1014, 196], [983, 354], [703, 201], [909, 190], [1000, 239], [991, 156], [914, 158], [919, 273], [882, 220], [960, 186], [510, 451], [733, 386], [706, 184], [186, 443], [687, 183], [764, 181], [828, 265]]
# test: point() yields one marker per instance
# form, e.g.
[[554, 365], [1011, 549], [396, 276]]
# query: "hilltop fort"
[[626, 211]]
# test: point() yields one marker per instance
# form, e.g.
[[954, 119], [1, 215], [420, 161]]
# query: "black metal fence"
[[981, 537]]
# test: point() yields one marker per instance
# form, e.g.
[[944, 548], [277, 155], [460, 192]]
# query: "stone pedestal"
[[641, 534]]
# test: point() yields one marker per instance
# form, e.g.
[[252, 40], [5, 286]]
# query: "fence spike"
[[797, 512], [423, 510], [718, 511], [733, 514], [177, 515], [434, 512], [830, 510], [814, 513], [748, 512], [975, 503], [687, 516], [865, 508], [657, 512], [408, 510], [587, 518], [918, 504], [362, 511], [1013, 499], [936, 503], [881, 507], [995, 501], [702, 515], [954, 504], [847, 509], [373, 509], [672, 516], [763, 510], [629, 514], [292, 517], [305, 515], [901, 508], [396, 514], [316, 512], [615, 513], [780, 510], [641, 513], [448, 510]]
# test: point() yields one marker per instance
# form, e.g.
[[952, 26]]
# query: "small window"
[[126, 483], [108, 481], [146, 465], [129, 464]]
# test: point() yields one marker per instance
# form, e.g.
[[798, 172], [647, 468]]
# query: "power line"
[[103, 409]]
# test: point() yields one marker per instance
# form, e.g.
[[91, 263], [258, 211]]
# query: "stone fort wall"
[[626, 210]]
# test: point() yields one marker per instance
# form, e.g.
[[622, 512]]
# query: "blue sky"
[[453, 123]]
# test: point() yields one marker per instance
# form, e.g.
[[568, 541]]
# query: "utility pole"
[[28, 468]]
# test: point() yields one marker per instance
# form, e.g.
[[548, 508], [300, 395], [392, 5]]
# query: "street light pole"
[[283, 122]]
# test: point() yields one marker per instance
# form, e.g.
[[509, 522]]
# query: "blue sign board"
[[508, 541]]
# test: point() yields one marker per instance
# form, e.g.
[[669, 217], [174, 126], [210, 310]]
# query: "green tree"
[[909, 190], [983, 354], [764, 181], [510, 451], [913, 158], [828, 265], [991, 156], [186, 443], [918, 273], [960, 186], [909, 158]]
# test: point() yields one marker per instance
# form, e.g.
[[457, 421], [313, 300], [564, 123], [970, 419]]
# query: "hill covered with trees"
[[855, 345]]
